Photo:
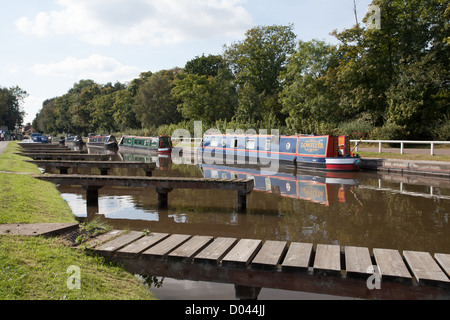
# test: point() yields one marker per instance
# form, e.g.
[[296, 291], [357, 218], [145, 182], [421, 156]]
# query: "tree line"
[[389, 82], [11, 111]]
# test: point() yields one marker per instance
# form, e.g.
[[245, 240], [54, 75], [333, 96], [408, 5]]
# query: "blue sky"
[[48, 45]]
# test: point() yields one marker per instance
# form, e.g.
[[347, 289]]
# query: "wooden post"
[[91, 198], [242, 202], [63, 170], [247, 293], [163, 194]]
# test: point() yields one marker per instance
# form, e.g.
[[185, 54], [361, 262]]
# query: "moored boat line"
[[331, 153]]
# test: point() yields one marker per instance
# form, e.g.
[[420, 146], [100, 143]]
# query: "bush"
[[390, 131], [442, 132], [354, 128]]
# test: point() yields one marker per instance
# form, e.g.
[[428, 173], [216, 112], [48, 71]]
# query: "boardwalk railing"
[[402, 144], [249, 263]]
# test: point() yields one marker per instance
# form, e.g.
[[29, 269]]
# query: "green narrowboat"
[[162, 144]]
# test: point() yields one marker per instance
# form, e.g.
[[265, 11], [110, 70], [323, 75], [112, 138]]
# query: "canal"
[[365, 209]]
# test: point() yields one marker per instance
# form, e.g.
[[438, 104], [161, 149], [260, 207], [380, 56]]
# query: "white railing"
[[401, 142]]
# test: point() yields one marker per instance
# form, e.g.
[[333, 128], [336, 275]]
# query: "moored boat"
[[161, 144], [331, 153], [106, 141]]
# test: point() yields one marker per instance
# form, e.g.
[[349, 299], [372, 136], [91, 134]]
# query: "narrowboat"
[[331, 153], [106, 141], [162, 144]]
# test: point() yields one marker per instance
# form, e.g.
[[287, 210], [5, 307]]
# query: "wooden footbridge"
[[163, 185], [67, 156], [103, 166], [254, 264]]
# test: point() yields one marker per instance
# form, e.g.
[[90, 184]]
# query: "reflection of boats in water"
[[163, 161], [324, 187]]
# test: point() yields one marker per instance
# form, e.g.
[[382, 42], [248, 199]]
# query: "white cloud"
[[142, 22], [96, 67]]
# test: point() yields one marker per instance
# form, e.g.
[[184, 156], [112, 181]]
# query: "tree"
[[11, 112], [257, 63], [154, 103], [206, 90], [306, 96]]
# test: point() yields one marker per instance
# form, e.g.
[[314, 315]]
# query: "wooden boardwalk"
[[163, 185], [104, 166], [248, 263], [67, 156]]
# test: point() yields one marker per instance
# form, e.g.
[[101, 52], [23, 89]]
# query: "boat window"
[[214, 142], [268, 142], [251, 144], [235, 144]]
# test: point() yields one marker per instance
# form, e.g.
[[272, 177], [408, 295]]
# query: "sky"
[[49, 45]]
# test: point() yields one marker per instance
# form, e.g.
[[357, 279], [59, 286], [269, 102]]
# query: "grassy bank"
[[387, 155], [36, 268]]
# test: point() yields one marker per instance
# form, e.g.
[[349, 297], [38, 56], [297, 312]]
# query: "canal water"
[[365, 209]]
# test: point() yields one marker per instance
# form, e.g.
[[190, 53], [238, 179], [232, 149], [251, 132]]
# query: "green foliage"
[[389, 131], [11, 112], [154, 103], [355, 128]]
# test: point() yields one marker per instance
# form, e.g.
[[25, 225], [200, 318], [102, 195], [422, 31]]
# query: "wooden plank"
[[241, 255], [215, 251], [108, 248], [269, 256], [358, 262], [166, 246], [97, 241], [297, 258], [424, 268], [142, 244], [444, 262], [188, 250], [328, 259], [391, 265]]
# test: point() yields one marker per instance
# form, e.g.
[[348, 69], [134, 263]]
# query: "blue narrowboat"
[[327, 152]]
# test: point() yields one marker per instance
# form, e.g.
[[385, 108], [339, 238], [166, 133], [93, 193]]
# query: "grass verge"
[[386, 155], [35, 268]]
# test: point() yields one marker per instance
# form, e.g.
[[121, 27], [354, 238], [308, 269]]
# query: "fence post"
[[379, 147], [432, 149], [402, 147]]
